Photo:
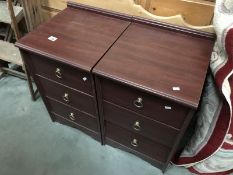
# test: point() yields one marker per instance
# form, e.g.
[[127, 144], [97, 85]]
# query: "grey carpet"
[[31, 144]]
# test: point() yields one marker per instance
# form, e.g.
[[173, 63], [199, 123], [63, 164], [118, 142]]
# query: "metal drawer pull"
[[66, 97], [134, 143], [58, 73], [138, 102], [137, 126], [71, 116]]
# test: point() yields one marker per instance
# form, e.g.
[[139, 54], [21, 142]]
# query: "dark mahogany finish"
[[154, 107], [74, 98], [63, 66], [73, 115], [64, 121], [83, 37], [157, 60], [144, 145], [128, 82], [152, 76], [140, 124], [68, 75]]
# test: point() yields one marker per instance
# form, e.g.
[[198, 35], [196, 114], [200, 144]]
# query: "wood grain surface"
[[82, 37], [157, 60]]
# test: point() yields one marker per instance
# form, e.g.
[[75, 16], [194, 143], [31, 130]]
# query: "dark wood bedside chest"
[[60, 55], [149, 85], [127, 82]]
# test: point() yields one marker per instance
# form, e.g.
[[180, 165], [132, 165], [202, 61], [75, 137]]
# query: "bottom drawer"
[[137, 142], [64, 121], [73, 115]]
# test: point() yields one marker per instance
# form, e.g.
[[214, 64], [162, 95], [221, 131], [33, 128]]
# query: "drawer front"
[[62, 73], [68, 96], [73, 115], [151, 106], [137, 142], [64, 121], [138, 124]]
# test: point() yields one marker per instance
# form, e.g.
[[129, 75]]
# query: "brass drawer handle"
[[58, 73], [134, 143], [71, 116], [137, 126], [66, 97], [138, 102]]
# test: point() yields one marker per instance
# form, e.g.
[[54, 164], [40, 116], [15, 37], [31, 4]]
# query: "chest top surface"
[[165, 63], [83, 37]]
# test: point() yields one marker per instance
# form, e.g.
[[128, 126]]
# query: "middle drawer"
[[76, 99]]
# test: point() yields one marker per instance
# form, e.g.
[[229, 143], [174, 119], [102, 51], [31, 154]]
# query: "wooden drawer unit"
[[60, 56], [76, 99], [62, 73], [137, 142], [154, 107], [73, 115], [128, 82], [139, 124], [149, 85]]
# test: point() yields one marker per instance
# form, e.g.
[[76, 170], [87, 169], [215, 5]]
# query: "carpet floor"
[[31, 144]]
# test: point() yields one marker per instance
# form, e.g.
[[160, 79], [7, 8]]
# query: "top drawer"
[[161, 110], [62, 73]]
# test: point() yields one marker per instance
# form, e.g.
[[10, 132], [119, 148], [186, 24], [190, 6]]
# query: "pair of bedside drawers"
[[127, 82]]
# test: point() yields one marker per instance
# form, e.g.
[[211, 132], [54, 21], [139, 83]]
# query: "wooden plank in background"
[[32, 12], [197, 14], [47, 13]]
